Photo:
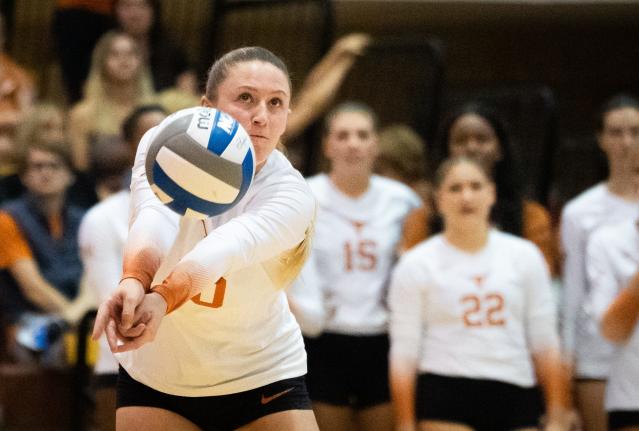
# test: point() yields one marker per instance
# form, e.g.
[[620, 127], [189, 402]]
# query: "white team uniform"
[[581, 339], [252, 339], [354, 250], [102, 235], [478, 315], [612, 259]]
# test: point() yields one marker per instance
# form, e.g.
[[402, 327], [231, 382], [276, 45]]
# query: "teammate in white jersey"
[[608, 202], [229, 353], [473, 321], [102, 236], [612, 261], [359, 222]]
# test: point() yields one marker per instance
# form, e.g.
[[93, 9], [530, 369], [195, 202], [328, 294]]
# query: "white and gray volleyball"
[[200, 162]]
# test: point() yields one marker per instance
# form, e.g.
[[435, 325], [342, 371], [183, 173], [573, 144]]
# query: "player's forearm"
[[402, 386], [620, 320], [554, 380]]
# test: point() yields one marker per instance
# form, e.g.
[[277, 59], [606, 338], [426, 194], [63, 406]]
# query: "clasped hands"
[[130, 318]]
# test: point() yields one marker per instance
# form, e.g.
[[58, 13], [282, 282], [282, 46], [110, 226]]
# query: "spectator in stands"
[[608, 202], [358, 225], [102, 236], [141, 19], [117, 83], [473, 321], [77, 26], [17, 88], [45, 122], [612, 260], [39, 255], [475, 130]]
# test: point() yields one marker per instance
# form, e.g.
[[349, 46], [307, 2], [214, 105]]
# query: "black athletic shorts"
[[218, 413], [348, 370], [484, 405], [619, 419]]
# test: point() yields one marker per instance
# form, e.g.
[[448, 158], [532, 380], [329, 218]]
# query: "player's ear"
[[204, 101]]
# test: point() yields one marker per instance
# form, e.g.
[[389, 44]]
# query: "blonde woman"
[[117, 83]]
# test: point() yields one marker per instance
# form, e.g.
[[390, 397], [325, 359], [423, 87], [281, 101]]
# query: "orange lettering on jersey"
[[470, 314], [479, 280], [218, 295], [362, 258], [474, 315], [496, 306]]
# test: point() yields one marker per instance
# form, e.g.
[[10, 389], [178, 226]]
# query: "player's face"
[[351, 142], [46, 174], [256, 94], [134, 16], [620, 134], [123, 61], [472, 136], [465, 195]]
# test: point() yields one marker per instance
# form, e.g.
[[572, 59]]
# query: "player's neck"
[[468, 238], [351, 185], [619, 184]]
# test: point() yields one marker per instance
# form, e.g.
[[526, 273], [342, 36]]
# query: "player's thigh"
[[633, 428], [293, 420], [151, 419], [431, 425], [334, 418], [589, 397], [376, 418], [527, 429]]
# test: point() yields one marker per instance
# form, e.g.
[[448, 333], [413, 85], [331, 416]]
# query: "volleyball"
[[200, 162]]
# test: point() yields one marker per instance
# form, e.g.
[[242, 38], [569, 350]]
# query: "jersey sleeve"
[[13, 246], [574, 280], [101, 254], [153, 226], [541, 308], [405, 305], [601, 277], [278, 219]]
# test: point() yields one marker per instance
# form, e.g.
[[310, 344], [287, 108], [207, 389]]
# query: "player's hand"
[[353, 44], [148, 316], [116, 315], [564, 420]]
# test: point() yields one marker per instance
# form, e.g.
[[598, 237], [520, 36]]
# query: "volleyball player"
[[473, 321], [358, 226], [228, 354], [612, 260], [607, 202]]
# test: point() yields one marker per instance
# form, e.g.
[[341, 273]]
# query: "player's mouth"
[[258, 138]]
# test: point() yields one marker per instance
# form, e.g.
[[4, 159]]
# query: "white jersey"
[[238, 333], [102, 235], [479, 315], [593, 208], [354, 250], [612, 259]]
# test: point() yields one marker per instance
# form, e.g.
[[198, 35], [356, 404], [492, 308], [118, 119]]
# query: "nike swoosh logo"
[[266, 400]]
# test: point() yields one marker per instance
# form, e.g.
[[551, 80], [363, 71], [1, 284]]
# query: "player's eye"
[[276, 102], [245, 97]]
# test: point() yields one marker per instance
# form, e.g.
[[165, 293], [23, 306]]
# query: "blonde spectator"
[[117, 83]]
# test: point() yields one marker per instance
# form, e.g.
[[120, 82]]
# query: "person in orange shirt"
[[40, 265], [475, 131]]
